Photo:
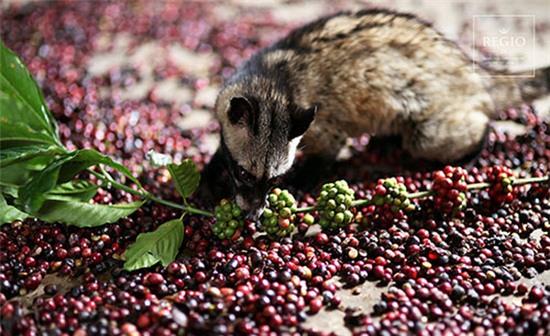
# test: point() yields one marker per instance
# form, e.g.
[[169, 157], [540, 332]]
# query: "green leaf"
[[22, 101], [9, 213], [14, 176], [9, 191], [32, 194], [186, 177], [18, 174], [161, 245], [88, 157], [79, 190], [16, 155], [15, 134], [85, 214], [19, 164]]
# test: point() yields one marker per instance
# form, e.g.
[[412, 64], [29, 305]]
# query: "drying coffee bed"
[[129, 77]]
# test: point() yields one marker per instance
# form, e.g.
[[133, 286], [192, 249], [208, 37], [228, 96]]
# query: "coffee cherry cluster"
[[393, 194], [502, 184], [334, 203], [229, 220], [449, 186], [278, 217], [390, 201]]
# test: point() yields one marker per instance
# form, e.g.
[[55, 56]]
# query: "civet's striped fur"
[[372, 71]]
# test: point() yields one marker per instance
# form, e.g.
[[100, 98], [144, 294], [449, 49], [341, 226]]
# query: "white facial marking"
[[240, 201], [284, 165]]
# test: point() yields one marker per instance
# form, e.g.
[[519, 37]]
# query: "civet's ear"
[[240, 111], [300, 121]]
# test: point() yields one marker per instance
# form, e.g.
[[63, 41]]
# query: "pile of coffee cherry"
[[455, 259]]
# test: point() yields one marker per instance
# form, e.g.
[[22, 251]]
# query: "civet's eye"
[[245, 176]]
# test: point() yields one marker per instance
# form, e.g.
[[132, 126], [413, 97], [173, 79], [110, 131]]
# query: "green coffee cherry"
[[278, 217], [309, 219], [389, 191], [333, 204], [229, 219]]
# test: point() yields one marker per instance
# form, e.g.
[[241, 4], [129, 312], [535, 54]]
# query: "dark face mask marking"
[[251, 189]]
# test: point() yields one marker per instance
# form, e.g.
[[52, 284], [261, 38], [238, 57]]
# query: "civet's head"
[[261, 130]]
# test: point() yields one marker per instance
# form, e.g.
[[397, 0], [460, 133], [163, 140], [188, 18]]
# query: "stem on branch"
[[357, 203], [426, 193], [361, 202], [148, 196], [305, 209]]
